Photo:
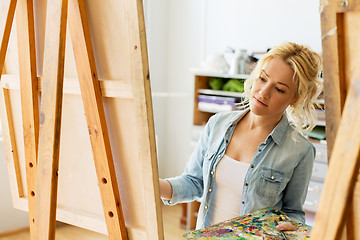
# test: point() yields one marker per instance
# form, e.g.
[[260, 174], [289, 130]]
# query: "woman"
[[254, 158]]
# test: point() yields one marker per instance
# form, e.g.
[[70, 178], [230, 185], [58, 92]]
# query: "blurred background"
[[182, 35]]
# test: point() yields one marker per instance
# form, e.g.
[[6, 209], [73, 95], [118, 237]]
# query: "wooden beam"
[[144, 114], [7, 11], [108, 88], [50, 120], [95, 117], [343, 169], [354, 216], [29, 97], [332, 84], [10, 143]]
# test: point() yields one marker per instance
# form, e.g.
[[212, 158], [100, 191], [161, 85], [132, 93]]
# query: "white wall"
[[173, 29], [260, 24], [10, 218], [179, 39]]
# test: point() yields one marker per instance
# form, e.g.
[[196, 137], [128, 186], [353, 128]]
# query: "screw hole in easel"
[[111, 214], [104, 181], [33, 220], [32, 193], [31, 165]]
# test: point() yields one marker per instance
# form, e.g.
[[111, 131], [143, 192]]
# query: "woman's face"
[[274, 90]]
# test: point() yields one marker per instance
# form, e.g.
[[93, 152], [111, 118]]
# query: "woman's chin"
[[257, 108]]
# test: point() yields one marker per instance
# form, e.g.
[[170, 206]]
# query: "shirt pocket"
[[270, 182]]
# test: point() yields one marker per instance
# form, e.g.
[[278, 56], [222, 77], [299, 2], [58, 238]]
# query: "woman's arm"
[[296, 189], [165, 190], [189, 186]]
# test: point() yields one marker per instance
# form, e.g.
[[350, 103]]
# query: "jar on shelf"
[[243, 61], [235, 63]]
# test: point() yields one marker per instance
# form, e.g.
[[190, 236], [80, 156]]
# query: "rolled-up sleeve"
[[190, 185]]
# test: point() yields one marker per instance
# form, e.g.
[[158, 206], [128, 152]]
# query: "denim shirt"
[[278, 175]]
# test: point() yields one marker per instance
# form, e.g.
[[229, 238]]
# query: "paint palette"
[[259, 225]]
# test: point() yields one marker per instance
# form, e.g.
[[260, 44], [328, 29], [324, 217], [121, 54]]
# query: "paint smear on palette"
[[253, 226]]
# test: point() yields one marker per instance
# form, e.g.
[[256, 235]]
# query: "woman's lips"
[[260, 102]]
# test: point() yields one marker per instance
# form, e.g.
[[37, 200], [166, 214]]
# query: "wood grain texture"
[[340, 30], [354, 215], [29, 97], [96, 122], [343, 169], [144, 115], [8, 134], [7, 11], [351, 48], [50, 120], [332, 85], [108, 88]]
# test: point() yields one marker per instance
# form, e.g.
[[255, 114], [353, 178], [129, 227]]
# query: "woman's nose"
[[265, 92]]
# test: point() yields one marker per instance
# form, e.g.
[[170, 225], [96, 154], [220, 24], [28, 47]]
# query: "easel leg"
[[95, 117], [343, 170], [10, 144], [352, 218], [50, 120], [29, 98], [7, 11]]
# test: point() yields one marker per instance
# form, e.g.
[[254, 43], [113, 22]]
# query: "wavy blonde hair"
[[306, 65]]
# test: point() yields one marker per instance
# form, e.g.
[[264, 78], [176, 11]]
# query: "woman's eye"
[[262, 79], [279, 90]]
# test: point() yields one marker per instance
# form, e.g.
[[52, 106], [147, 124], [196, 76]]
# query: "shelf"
[[207, 73], [213, 107], [221, 93]]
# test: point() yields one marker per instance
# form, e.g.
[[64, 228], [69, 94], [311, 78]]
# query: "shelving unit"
[[201, 86]]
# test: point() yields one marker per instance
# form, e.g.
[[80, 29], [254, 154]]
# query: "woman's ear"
[[293, 103]]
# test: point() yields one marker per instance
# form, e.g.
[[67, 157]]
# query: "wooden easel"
[[42, 129], [340, 201]]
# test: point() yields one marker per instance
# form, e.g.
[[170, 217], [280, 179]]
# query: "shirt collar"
[[238, 117], [279, 131]]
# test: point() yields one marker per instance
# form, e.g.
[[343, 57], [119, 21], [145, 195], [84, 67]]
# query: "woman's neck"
[[261, 122]]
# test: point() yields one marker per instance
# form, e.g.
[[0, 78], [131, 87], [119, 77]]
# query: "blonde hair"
[[306, 65]]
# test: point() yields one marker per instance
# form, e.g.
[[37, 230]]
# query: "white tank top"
[[229, 180]]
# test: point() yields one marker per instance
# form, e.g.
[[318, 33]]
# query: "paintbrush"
[[282, 233]]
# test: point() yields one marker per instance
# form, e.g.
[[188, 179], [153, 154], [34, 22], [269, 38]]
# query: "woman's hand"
[[285, 226]]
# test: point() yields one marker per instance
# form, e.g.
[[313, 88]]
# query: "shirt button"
[[246, 184], [219, 156], [227, 141], [212, 172], [272, 177], [252, 166], [259, 150], [210, 189], [206, 207], [243, 202]]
